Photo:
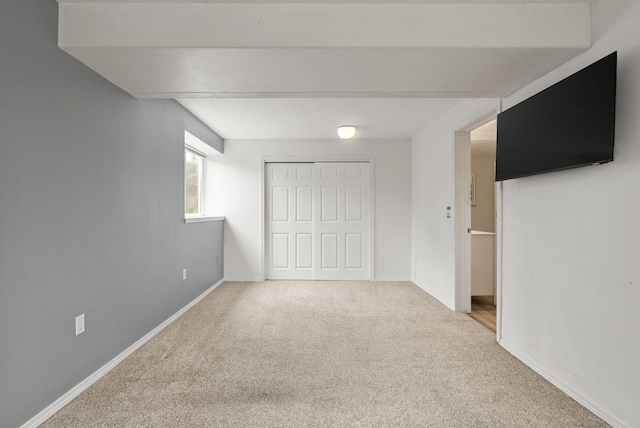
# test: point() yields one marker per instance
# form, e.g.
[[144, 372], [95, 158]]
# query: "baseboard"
[[608, 418], [435, 295], [258, 279], [76, 390], [393, 278]]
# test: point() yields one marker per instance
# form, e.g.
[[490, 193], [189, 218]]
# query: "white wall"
[[571, 241], [571, 264], [433, 190], [239, 197]]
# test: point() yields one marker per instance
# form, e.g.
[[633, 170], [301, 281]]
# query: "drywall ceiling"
[[312, 118], [299, 69]]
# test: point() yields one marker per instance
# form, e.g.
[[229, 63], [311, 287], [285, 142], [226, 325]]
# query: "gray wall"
[[91, 215]]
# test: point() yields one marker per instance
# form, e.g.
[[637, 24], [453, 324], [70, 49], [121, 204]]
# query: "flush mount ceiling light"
[[346, 131]]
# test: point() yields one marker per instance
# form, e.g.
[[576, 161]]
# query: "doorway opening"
[[483, 196]]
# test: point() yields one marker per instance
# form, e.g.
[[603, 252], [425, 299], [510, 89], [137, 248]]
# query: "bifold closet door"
[[317, 221]]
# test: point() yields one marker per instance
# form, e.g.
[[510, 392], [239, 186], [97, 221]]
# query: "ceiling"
[[298, 70]]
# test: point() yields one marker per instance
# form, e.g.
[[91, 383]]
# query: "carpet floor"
[[322, 354]]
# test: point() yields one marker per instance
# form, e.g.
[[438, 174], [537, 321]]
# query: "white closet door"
[[317, 221], [289, 212], [342, 225]]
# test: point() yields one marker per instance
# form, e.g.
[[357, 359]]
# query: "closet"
[[318, 221]]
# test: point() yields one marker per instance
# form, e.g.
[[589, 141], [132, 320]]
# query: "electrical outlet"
[[184, 274], [79, 324]]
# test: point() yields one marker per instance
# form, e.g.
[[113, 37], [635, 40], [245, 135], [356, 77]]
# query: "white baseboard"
[[608, 418], [393, 279], [243, 279], [76, 390], [258, 279]]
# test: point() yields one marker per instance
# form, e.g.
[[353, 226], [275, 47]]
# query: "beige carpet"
[[322, 354]]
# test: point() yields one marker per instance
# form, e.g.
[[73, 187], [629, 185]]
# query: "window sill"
[[203, 219]]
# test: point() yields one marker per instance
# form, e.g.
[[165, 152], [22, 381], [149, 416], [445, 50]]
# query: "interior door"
[[317, 221]]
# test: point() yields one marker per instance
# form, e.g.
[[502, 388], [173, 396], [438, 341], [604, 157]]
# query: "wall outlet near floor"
[[79, 324], [184, 274]]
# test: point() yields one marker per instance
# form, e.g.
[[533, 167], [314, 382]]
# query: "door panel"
[[329, 251], [328, 171], [289, 211], [353, 243], [353, 171], [304, 204], [280, 251], [280, 204], [304, 251], [304, 173], [353, 203], [280, 173], [343, 214], [329, 203]]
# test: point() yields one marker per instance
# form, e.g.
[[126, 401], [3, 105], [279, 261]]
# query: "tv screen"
[[568, 125]]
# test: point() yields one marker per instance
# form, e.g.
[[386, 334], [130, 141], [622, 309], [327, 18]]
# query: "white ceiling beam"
[[320, 73], [288, 25], [333, 1]]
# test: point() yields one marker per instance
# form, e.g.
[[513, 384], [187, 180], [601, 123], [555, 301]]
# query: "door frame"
[[462, 142], [315, 159]]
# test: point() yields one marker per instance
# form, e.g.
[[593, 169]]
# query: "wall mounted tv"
[[568, 125]]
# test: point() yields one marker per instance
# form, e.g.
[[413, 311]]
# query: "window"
[[200, 178], [193, 182]]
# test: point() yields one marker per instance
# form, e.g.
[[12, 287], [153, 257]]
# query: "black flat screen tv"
[[568, 125]]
